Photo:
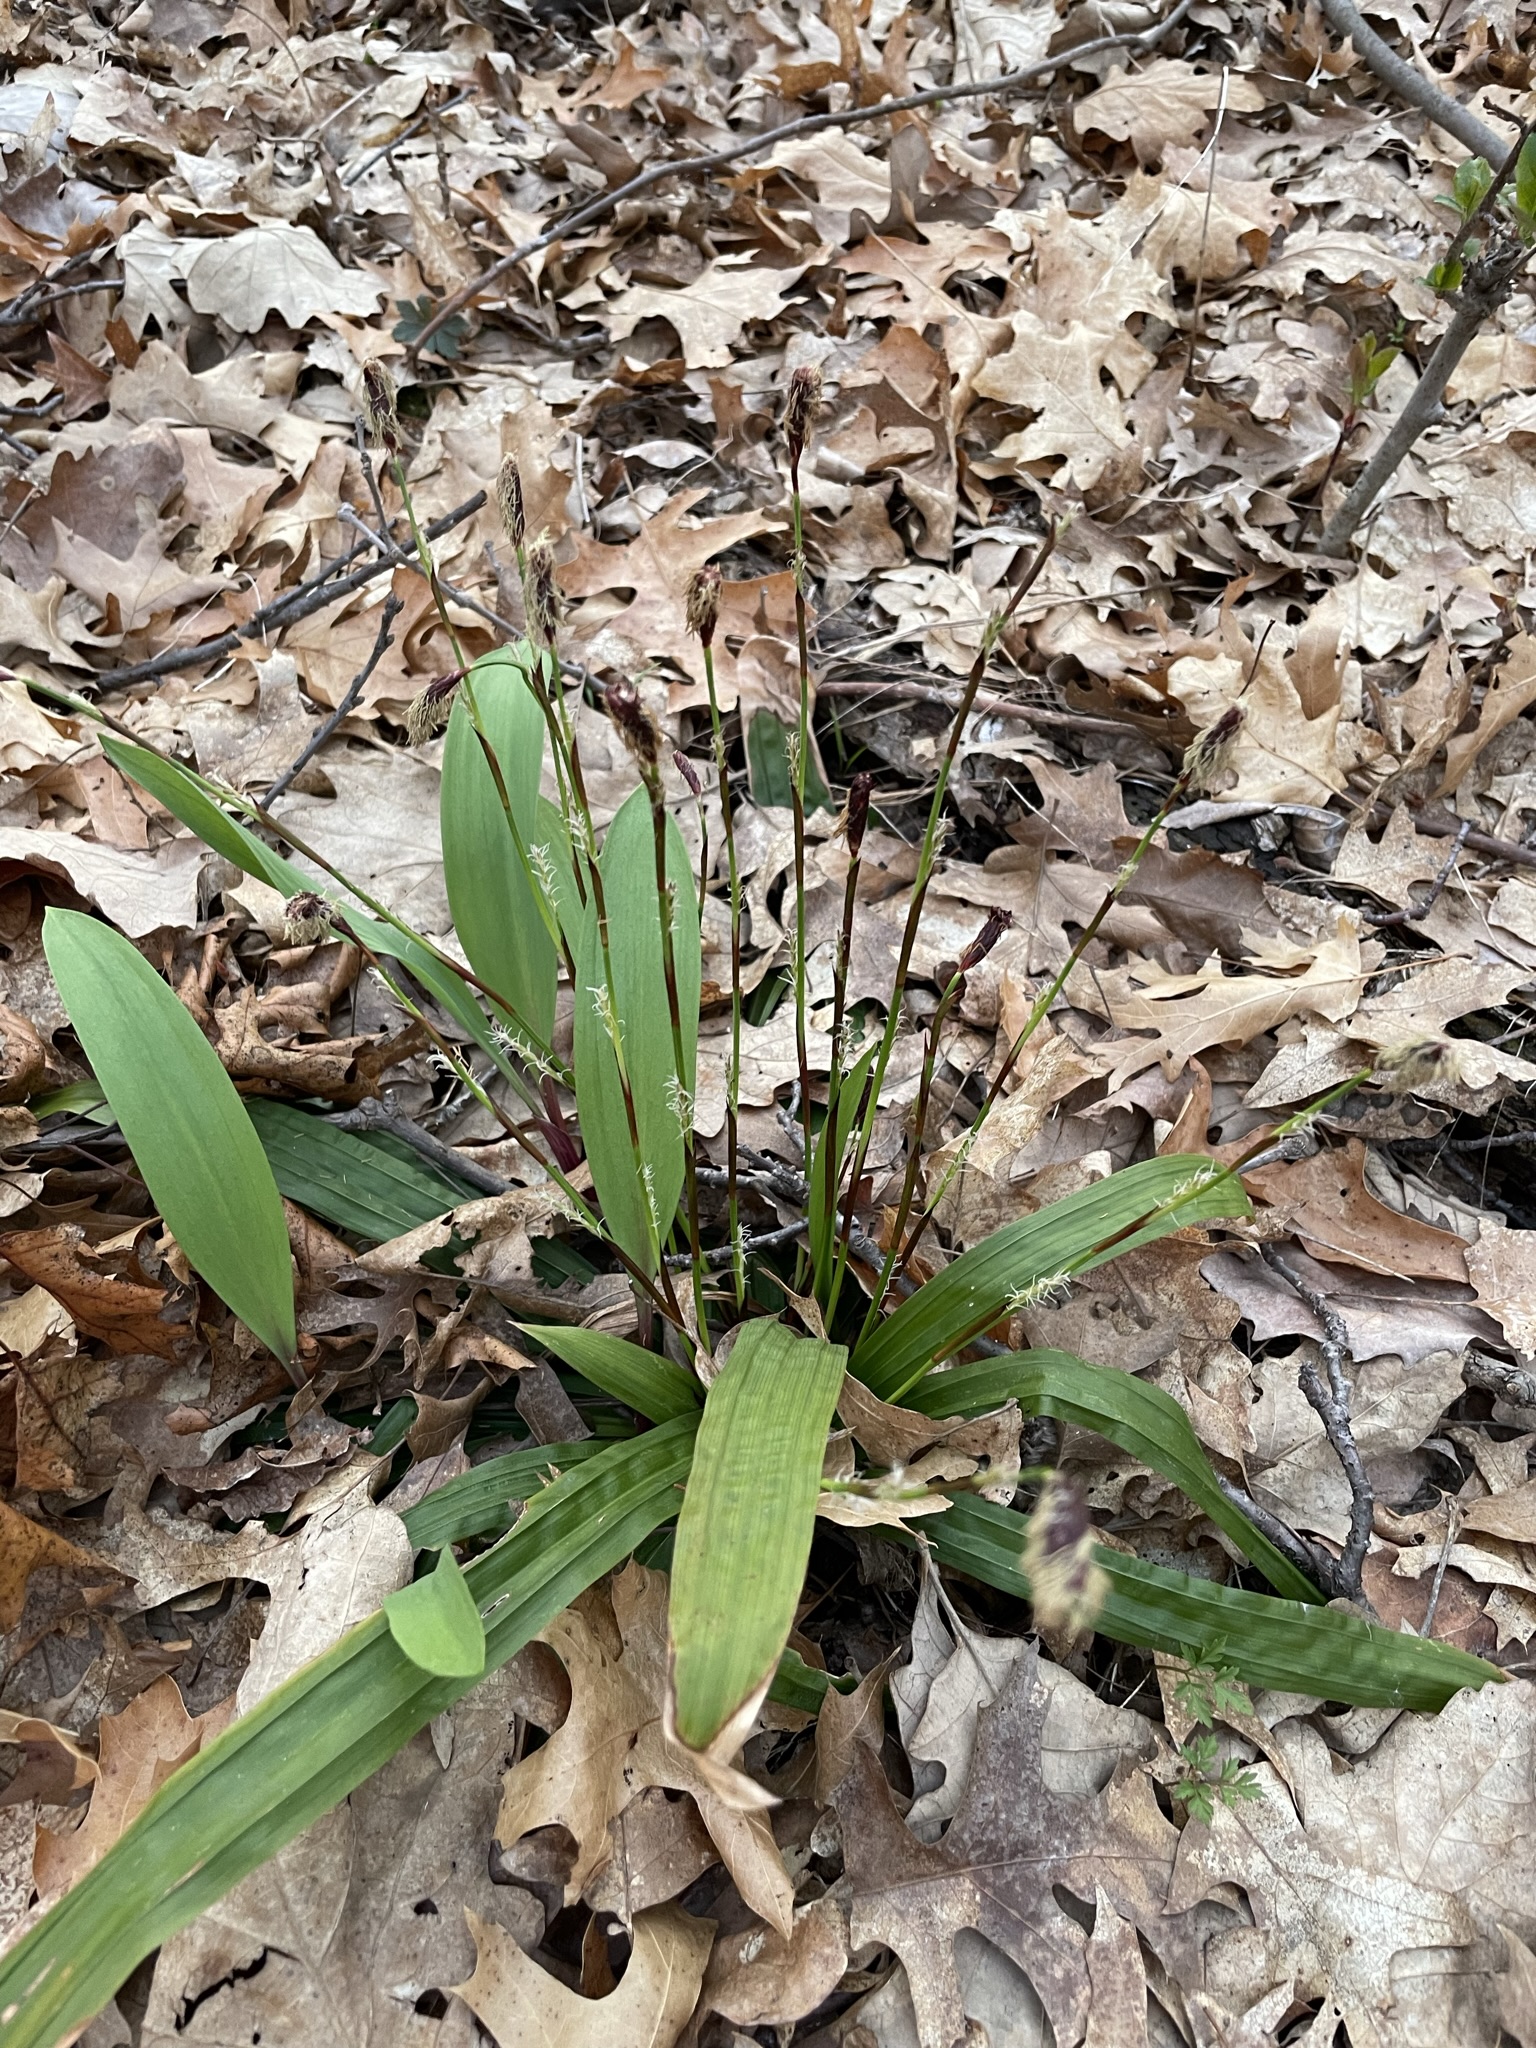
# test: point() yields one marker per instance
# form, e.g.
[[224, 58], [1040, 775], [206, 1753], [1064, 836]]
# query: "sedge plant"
[[744, 1347]]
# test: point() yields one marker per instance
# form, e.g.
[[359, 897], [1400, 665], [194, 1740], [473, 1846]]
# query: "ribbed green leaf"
[[479, 1502], [826, 1168], [1278, 1644], [654, 1387], [638, 1217], [1143, 1420], [744, 1533], [436, 1623], [187, 1128], [495, 909], [191, 800], [312, 1740], [350, 1180], [1071, 1236]]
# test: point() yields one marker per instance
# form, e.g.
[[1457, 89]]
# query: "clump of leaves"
[[737, 1403], [1201, 1782]]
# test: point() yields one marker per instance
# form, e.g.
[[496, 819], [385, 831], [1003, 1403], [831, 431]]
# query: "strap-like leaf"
[[744, 1533], [1071, 1236], [185, 794], [1143, 1420], [312, 1740], [185, 1125], [654, 1387], [352, 1181], [480, 1501], [436, 1623], [638, 1214], [495, 909], [1278, 1644]]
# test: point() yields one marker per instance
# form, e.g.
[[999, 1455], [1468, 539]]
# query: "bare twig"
[[752, 145], [1411, 913], [1331, 1403], [1307, 1557], [1409, 83], [1510, 1383], [949, 700], [373, 1115], [393, 606], [1452, 1523], [1480, 1144], [317, 591], [1440, 825]]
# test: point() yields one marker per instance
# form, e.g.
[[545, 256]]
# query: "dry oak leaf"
[[275, 267], [1337, 1218], [339, 1939], [1012, 1842], [1191, 1012], [138, 892], [1166, 101], [708, 314], [25, 1547], [757, 1978], [1208, 226], [612, 1745], [1501, 1267], [1336, 1922], [140, 1747], [124, 1314], [519, 2003]]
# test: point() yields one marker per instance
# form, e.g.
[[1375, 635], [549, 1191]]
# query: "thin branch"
[[1331, 1404], [1409, 83], [1412, 914], [393, 606], [373, 1115], [1510, 1383], [317, 591], [809, 124], [1307, 1557], [985, 703]]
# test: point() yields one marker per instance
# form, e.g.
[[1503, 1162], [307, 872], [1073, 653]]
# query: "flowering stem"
[[1181, 789], [802, 751], [927, 859], [733, 1072], [665, 907]]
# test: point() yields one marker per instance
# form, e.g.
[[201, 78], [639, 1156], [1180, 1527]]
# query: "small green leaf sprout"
[[1200, 1784]]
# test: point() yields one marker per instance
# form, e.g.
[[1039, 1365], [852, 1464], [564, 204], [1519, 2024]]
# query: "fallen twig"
[[947, 700], [809, 124], [393, 606], [1409, 83], [317, 591], [1411, 914], [1331, 1404], [1510, 1383]]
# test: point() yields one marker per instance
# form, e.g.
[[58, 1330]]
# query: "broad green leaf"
[[769, 774], [1471, 181], [1071, 1236], [744, 1533], [479, 1502], [654, 1387], [495, 908], [1143, 1420], [351, 1180], [193, 801], [1525, 178], [436, 1623], [638, 1214], [551, 835], [313, 1739], [185, 1125], [1278, 1644]]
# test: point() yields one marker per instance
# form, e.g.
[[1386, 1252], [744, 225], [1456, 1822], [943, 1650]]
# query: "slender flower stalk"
[[703, 615], [1200, 764], [954, 980], [829, 1176], [379, 395], [800, 410], [927, 860]]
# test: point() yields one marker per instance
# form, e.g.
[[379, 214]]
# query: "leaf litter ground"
[[1123, 300]]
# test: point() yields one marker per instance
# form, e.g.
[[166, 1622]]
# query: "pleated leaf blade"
[[744, 1532]]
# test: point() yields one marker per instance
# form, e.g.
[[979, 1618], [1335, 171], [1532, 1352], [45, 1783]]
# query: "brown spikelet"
[[856, 816], [509, 500], [431, 708], [306, 919], [545, 608], [800, 409], [1210, 750], [624, 707], [689, 773], [1067, 1584], [703, 603], [379, 403]]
